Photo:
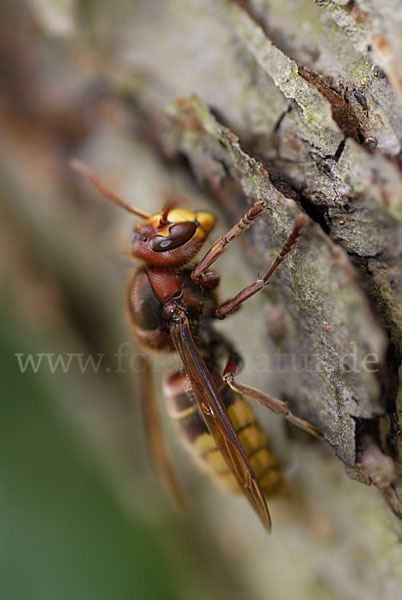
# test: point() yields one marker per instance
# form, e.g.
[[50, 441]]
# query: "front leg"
[[254, 213], [229, 307]]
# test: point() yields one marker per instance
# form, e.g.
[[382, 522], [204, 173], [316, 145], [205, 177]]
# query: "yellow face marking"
[[176, 215], [154, 220], [180, 215], [206, 220]]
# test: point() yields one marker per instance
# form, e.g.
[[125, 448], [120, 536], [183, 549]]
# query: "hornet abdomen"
[[183, 408]]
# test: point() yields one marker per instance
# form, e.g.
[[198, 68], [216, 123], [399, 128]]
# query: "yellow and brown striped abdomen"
[[183, 408]]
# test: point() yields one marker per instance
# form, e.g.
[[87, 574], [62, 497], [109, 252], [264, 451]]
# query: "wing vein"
[[216, 417]]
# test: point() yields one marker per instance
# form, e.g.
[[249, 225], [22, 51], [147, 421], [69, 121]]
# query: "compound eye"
[[179, 234]]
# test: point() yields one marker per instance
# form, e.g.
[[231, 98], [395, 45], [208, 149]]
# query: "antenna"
[[82, 168]]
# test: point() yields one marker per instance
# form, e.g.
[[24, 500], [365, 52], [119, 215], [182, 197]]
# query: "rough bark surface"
[[333, 148]]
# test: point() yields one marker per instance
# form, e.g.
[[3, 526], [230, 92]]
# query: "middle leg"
[[277, 406]]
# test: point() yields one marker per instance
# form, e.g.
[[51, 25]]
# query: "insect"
[[172, 304], [361, 99]]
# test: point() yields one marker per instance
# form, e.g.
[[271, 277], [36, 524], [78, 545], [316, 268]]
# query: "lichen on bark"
[[328, 319]]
